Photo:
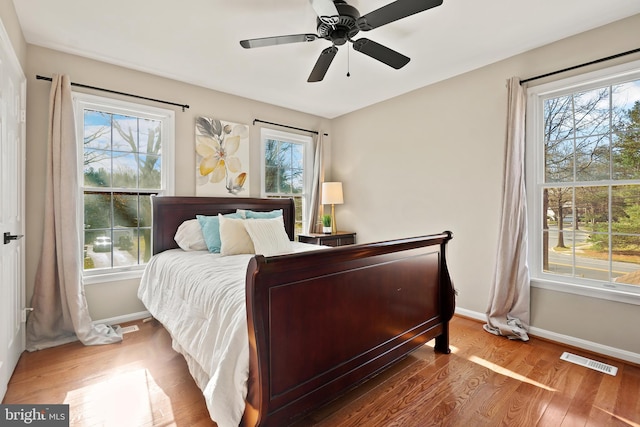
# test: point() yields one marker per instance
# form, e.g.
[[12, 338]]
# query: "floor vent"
[[589, 363], [127, 329]]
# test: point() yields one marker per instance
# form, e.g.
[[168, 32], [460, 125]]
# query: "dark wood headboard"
[[171, 211]]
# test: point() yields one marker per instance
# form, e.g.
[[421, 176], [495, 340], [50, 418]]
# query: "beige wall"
[[432, 160], [119, 298], [12, 27]]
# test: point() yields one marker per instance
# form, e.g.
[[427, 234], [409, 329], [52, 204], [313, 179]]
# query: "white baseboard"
[[566, 339], [472, 314], [124, 318]]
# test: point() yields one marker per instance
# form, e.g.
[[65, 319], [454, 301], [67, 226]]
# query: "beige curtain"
[[60, 312], [508, 310], [315, 206]]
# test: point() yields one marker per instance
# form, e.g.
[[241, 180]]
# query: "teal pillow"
[[259, 215], [210, 226]]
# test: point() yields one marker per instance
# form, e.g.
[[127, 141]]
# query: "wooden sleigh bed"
[[321, 322]]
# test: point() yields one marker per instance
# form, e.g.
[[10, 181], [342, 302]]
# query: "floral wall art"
[[222, 158]]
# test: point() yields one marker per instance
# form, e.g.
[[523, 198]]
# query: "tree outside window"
[[122, 168], [591, 184], [285, 160]]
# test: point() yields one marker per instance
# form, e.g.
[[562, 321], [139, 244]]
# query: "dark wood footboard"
[[324, 321]]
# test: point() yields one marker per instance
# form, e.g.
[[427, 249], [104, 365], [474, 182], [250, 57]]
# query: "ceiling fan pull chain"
[[348, 61]]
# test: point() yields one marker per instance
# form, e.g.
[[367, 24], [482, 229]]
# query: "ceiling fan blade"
[[322, 64], [381, 53], [393, 11], [271, 41], [325, 9]]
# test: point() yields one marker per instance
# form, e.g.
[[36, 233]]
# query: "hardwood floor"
[[486, 381]]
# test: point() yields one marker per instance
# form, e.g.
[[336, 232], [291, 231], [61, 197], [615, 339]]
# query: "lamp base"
[[334, 228]]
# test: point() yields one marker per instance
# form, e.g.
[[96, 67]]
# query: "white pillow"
[[234, 238], [189, 236], [268, 236]]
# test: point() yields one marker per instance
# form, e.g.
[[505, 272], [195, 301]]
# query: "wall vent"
[[589, 363]]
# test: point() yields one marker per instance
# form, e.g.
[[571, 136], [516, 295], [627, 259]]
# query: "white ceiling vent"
[[589, 363]]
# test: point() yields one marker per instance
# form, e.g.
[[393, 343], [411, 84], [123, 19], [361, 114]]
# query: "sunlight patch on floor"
[[617, 417], [126, 399], [503, 371]]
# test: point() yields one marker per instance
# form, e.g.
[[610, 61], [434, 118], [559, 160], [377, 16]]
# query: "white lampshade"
[[332, 193]]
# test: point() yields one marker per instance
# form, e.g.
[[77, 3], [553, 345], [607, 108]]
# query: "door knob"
[[8, 237]]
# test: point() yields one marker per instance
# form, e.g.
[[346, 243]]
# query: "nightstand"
[[340, 238]]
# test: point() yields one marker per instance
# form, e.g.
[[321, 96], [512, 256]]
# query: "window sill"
[[94, 279], [588, 291]]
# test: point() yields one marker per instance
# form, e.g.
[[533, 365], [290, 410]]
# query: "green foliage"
[[621, 239], [626, 149], [88, 263], [326, 220]]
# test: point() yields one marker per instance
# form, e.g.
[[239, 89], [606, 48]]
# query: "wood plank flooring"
[[486, 381]]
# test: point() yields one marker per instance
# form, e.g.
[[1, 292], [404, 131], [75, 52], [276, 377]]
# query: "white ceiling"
[[197, 41]]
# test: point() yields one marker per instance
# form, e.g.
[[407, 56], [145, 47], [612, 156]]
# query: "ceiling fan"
[[339, 22]]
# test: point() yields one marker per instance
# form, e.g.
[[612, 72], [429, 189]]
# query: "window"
[[583, 182], [287, 163], [125, 157]]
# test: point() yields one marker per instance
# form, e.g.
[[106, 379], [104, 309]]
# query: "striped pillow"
[[268, 236]]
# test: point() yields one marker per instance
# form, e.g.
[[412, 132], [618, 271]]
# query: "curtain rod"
[[286, 126], [629, 52], [183, 106]]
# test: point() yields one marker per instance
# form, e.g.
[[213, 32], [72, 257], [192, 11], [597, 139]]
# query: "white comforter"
[[200, 299]]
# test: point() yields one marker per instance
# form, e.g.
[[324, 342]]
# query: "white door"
[[12, 162]]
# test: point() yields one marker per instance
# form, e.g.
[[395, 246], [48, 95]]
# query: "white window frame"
[[84, 101], [307, 142], [535, 176]]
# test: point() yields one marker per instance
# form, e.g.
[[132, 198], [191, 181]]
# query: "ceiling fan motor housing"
[[344, 29]]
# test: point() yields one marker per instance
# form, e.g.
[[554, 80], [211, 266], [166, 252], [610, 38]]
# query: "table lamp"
[[332, 195]]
